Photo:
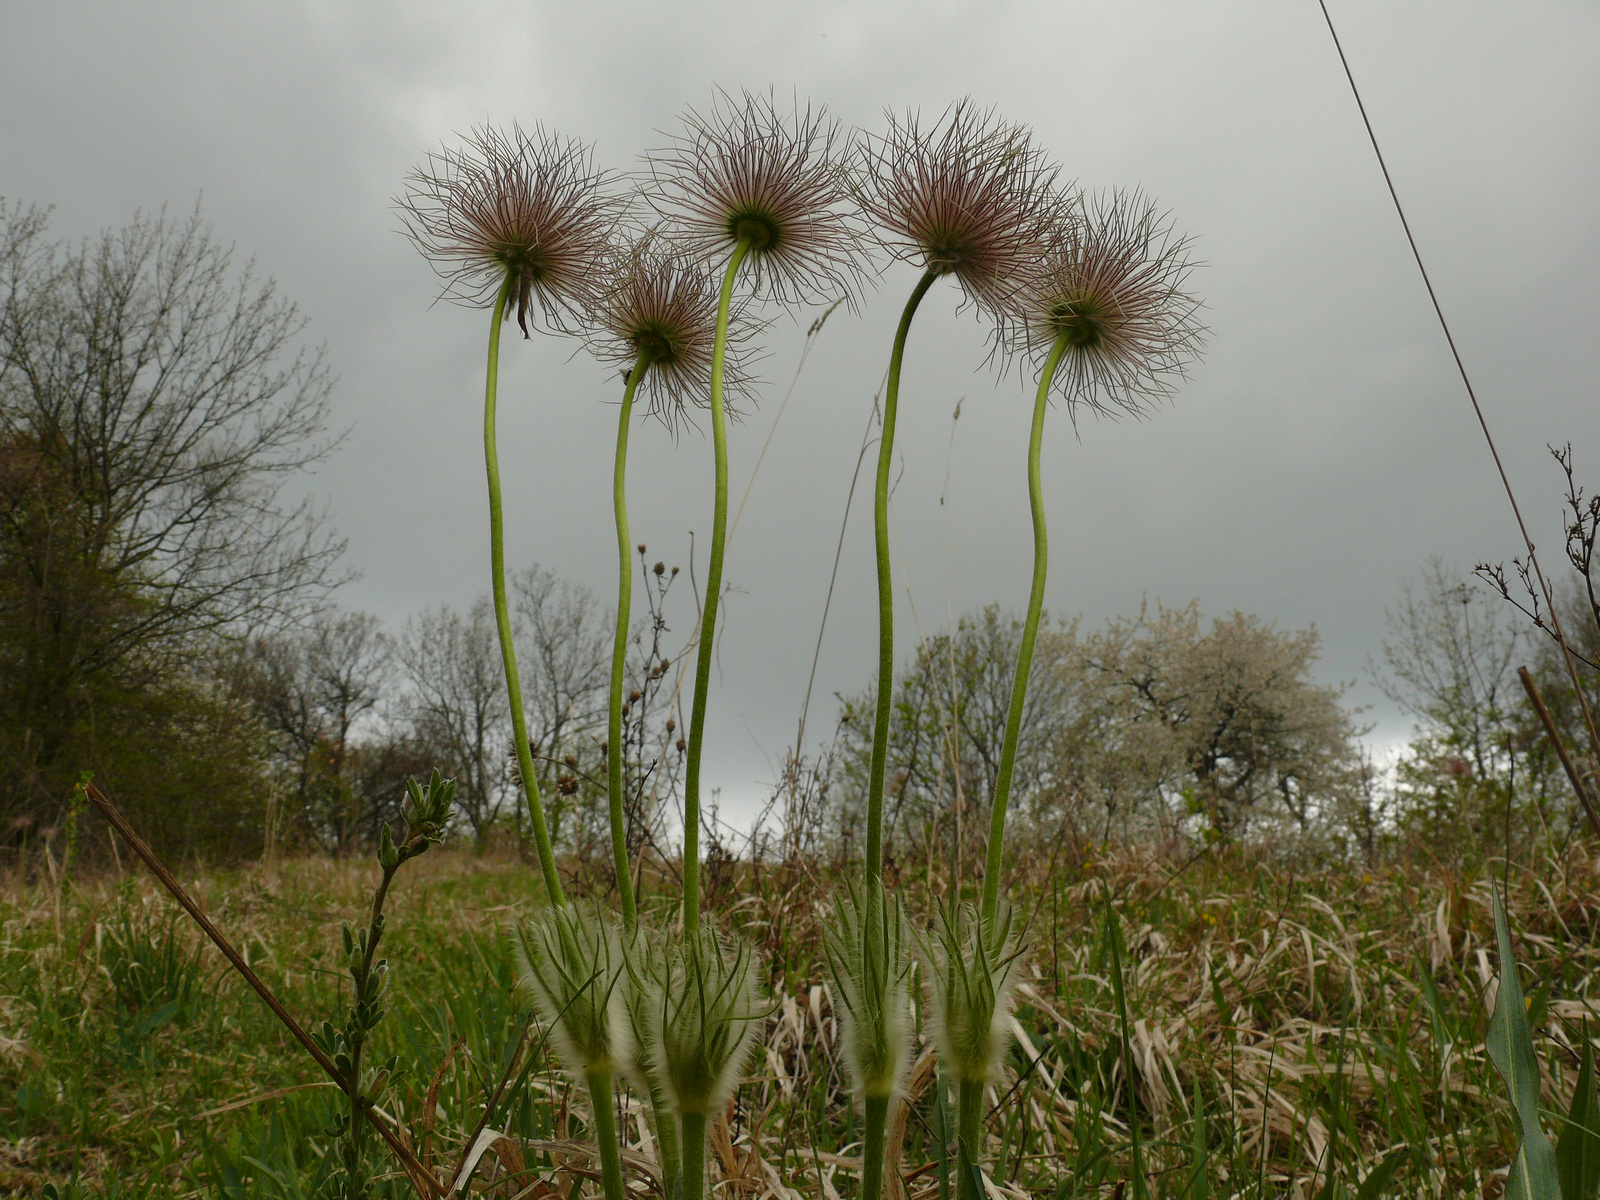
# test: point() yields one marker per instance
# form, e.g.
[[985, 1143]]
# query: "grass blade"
[[1578, 1148], [1378, 1178], [1510, 1046]]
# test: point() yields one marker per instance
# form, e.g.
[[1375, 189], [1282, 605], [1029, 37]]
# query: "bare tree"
[[1478, 762], [1224, 722], [456, 704], [312, 688], [1152, 724], [946, 729], [153, 407], [564, 643]]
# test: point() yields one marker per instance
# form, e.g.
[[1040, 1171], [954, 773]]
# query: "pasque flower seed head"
[[661, 303], [1111, 284], [745, 171], [528, 205], [970, 196]]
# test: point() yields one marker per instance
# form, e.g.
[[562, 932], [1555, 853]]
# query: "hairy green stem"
[[502, 613], [605, 1133], [619, 650], [708, 617], [969, 1132], [941, 1126], [667, 1144], [1030, 631], [694, 1156], [873, 1147], [880, 512]]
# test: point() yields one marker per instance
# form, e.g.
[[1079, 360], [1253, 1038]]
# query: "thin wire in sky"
[[1516, 510]]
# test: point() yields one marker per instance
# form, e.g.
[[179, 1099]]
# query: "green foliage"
[[1376, 1037], [1578, 1146], [154, 407], [1510, 1047]]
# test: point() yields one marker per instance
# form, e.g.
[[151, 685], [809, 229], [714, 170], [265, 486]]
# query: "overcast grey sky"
[[1320, 454]]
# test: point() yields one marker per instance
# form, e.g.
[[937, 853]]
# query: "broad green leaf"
[[1578, 1147], [1510, 1046], [1378, 1178]]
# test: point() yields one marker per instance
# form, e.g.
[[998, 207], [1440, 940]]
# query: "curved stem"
[[694, 1156], [497, 571], [1030, 631], [619, 650], [880, 511], [708, 626], [605, 1133]]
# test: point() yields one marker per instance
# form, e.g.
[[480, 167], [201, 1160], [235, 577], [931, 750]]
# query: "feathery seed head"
[[572, 964], [973, 967], [867, 952], [531, 206], [745, 171], [1111, 284], [705, 1019], [970, 197], [661, 303]]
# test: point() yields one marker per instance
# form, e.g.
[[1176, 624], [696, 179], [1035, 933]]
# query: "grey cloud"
[[1321, 452]]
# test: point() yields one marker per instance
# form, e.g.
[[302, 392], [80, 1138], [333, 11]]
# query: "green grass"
[[1282, 1030]]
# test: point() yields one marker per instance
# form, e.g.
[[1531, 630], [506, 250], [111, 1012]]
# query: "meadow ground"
[[1282, 1027]]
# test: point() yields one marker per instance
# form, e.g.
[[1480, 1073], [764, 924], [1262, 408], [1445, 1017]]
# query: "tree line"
[[167, 622]]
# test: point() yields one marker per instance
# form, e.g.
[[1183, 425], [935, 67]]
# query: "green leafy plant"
[[1534, 1175], [426, 814]]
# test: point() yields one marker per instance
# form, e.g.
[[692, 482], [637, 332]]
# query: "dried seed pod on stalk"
[[1110, 289], [659, 304], [657, 319], [744, 172], [1105, 315], [970, 196], [529, 206]]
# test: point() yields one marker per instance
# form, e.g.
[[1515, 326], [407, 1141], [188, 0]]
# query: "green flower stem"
[[1030, 631], [605, 1133], [694, 1156], [872, 1162], [619, 651], [969, 1133], [497, 570], [880, 729], [708, 629], [872, 941], [667, 1144]]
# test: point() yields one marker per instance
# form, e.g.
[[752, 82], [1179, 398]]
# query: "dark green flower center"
[[946, 252], [1083, 320], [757, 228], [655, 345], [530, 263]]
